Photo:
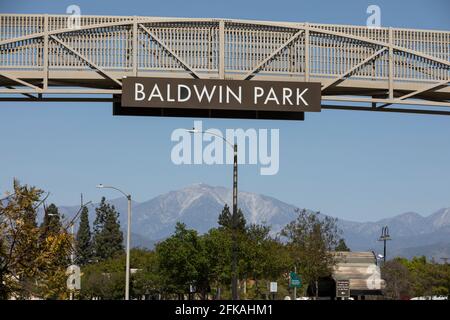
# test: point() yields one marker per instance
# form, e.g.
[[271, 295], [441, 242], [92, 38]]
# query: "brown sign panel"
[[221, 98], [342, 288]]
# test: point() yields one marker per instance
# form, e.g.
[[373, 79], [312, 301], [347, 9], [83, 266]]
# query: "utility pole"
[[72, 251], [72, 232]]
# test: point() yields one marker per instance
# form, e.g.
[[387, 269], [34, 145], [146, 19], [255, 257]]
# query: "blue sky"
[[352, 165]]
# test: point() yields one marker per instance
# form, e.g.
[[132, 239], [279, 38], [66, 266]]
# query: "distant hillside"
[[199, 205]]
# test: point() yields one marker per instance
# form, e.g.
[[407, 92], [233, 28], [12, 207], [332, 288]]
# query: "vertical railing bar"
[[25, 43], [391, 66], [45, 53], [307, 47], [135, 47], [221, 49]]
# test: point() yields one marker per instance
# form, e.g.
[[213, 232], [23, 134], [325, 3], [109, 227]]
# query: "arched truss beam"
[[272, 56], [381, 44], [297, 27]]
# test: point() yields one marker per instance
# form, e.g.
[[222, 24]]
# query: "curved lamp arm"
[[101, 186], [210, 133]]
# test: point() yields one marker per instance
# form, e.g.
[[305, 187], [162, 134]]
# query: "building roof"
[[361, 269]]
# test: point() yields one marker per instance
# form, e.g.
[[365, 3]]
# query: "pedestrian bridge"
[[69, 58]]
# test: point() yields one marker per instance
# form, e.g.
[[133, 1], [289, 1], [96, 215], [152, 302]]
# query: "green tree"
[[108, 238], [261, 258], [311, 239], [104, 279], [146, 281], [53, 238], [30, 264], [51, 223], [398, 279], [182, 262], [218, 244], [428, 278], [226, 219], [83, 244], [19, 240], [342, 246]]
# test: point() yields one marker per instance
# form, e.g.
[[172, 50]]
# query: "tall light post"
[[127, 268], [234, 280], [384, 237]]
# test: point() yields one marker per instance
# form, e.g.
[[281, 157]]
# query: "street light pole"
[[72, 255], [384, 237], [127, 268], [127, 276], [234, 285], [234, 278]]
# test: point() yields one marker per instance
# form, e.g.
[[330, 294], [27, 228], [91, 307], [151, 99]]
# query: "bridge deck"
[[359, 67]]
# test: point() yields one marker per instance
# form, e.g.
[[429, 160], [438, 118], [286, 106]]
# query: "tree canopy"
[[32, 259], [83, 245], [108, 238]]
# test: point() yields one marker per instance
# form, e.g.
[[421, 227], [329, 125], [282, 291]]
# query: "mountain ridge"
[[199, 205]]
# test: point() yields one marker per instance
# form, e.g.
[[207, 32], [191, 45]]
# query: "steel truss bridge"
[[62, 58]]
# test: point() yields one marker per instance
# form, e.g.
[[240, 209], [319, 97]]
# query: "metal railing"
[[41, 54]]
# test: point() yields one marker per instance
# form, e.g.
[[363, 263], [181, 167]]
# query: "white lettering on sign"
[[271, 96], [184, 93], [139, 94], [187, 89], [285, 97], [205, 94], [238, 97], [287, 93], [300, 97], [258, 93], [156, 93]]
